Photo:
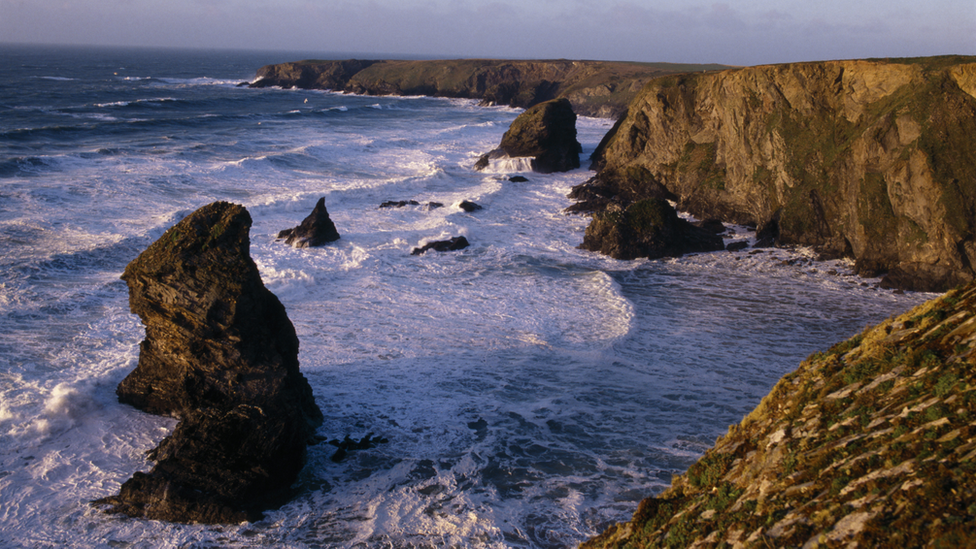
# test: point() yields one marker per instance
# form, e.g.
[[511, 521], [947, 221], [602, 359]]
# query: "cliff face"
[[870, 444], [870, 159], [595, 88]]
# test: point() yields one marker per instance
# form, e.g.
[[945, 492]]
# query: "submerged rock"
[[315, 230], [546, 133], [650, 228], [405, 203], [456, 243], [220, 354]]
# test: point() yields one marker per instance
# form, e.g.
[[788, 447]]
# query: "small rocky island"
[[221, 355], [545, 133]]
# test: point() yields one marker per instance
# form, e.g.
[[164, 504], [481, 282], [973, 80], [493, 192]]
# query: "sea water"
[[531, 393]]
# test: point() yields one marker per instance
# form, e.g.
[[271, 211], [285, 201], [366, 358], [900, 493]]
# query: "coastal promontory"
[[595, 88], [871, 443], [871, 159], [221, 355]]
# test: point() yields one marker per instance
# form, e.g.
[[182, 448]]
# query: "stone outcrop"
[[546, 133], [869, 159], [869, 444], [595, 88], [315, 230], [450, 245], [221, 355], [650, 228]]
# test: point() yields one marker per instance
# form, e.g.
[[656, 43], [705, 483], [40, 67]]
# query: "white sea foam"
[[531, 392]]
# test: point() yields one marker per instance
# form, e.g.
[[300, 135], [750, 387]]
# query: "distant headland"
[[595, 88]]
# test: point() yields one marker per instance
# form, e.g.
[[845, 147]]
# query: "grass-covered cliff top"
[[869, 444]]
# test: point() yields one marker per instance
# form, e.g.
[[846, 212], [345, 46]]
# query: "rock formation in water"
[[873, 160], [546, 133], [650, 228], [870, 444], [315, 230], [595, 88], [221, 355], [451, 245]]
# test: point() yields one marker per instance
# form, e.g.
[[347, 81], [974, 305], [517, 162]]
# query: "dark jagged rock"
[[469, 206], [405, 203], [315, 230], [518, 179], [546, 133], [220, 354], [456, 243], [349, 445], [737, 246], [650, 228], [713, 225], [399, 203]]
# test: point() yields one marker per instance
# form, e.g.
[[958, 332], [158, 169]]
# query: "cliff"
[[595, 88], [873, 160], [870, 444]]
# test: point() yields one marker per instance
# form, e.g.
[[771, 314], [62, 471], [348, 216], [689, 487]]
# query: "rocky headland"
[[595, 88], [221, 355], [869, 444], [870, 159]]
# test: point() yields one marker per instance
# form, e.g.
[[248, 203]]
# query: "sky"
[[734, 32]]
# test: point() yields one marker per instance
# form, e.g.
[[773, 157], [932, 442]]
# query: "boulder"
[[220, 354], [469, 206], [315, 230], [546, 133], [456, 243], [649, 228]]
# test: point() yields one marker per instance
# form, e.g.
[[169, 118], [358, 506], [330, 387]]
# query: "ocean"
[[531, 393]]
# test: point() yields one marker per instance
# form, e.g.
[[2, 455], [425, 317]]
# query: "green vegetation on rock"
[[871, 443]]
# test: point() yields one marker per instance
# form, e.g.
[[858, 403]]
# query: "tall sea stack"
[[221, 355]]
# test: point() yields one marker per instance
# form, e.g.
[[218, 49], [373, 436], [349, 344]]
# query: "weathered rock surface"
[[870, 159], [650, 228], [595, 88], [315, 230], [451, 245], [221, 355], [546, 133], [870, 444]]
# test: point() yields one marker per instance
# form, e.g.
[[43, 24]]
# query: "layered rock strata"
[[869, 159], [221, 355], [869, 444], [595, 88], [546, 133]]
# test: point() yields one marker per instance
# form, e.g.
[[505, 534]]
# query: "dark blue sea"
[[532, 393]]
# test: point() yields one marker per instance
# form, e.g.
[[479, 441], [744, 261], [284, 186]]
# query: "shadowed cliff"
[[595, 88], [873, 160]]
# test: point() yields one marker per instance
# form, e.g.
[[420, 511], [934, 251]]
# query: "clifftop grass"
[[872, 442]]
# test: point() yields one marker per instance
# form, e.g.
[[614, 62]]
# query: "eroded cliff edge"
[[871, 159], [870, 444], [595, 88]]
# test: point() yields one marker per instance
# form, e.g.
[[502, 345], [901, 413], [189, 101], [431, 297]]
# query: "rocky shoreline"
[[595, 88]]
